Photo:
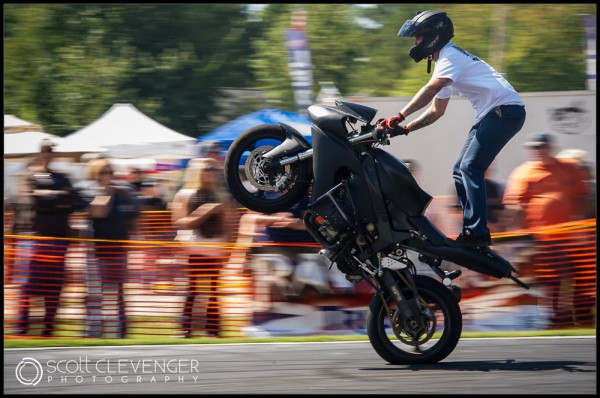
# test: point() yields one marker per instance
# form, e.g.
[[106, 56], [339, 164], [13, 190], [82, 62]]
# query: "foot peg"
[[453, 274], [326, 253]]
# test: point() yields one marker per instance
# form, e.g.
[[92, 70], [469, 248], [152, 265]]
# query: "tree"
[[53, 79], [65, 65], [545, 47]]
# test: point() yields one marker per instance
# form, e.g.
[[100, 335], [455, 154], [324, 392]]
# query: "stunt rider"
[[500, 113]]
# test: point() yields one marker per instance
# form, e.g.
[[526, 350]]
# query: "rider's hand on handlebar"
[[391, 126], [391, 122]]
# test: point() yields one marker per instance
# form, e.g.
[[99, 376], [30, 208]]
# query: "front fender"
[[293, 144]]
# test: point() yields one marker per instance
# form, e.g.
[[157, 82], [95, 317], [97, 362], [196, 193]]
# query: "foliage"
[[66, 64], [550, 57]]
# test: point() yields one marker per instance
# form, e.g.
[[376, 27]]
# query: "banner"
[[589, 22], [299, 61]]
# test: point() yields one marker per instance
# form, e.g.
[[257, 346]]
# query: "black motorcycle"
[[367, 211]]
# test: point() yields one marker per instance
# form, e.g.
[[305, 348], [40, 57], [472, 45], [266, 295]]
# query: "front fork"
[[411, 310]]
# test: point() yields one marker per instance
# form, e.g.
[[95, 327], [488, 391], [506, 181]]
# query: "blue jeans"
[[484, 142]]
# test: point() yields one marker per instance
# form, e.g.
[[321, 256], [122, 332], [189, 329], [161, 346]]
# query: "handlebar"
[[370, 134], [366, 135]]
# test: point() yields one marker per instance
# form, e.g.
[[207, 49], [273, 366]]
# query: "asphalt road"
[[547, 365]]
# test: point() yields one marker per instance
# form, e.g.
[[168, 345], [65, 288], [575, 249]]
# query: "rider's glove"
[[391, 122], [391, 126]]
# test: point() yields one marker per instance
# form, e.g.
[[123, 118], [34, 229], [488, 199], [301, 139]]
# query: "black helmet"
[[436, 28]]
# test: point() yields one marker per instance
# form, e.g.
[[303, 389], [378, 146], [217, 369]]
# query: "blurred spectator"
[[544, 191], [151, 197], [147, 192], [146, 189], [23, 201], [8, 208], [287, 238], [578, 157], [584, 289], [217, 151], [147, 267], [136, 178], [214, 150], [22, 207], [286, 227], [198, 212], [44, 211], [113, 213]]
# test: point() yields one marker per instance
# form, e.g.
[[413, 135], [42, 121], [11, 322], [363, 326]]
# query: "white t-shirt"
[[474, 79]]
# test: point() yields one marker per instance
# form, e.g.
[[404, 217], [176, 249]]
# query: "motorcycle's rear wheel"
[[396, 346], [256, 183]]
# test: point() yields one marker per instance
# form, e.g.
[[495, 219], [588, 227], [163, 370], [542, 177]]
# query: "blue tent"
[[229, 131]]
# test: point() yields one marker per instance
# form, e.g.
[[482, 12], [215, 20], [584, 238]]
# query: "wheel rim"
[[271, 188], [400, 334]]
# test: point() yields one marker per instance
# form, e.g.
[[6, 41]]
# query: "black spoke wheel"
[[258, 183], [402, 342]]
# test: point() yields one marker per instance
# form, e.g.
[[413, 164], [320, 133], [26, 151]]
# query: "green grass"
[[154, 340]]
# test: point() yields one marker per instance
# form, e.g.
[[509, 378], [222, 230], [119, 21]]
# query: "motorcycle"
[[367, 211]]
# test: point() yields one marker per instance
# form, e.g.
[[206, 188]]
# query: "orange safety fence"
[[149, 286]]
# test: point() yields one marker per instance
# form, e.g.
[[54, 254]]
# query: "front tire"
[[393, 346], [254, 182]]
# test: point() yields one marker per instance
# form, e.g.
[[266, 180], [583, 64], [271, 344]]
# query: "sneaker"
[[467, 239]]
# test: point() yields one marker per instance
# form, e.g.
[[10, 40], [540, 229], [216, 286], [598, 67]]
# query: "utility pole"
[[498, 36]]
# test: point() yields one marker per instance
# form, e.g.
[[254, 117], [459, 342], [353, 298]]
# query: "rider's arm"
[[424, 97], [433, 113]]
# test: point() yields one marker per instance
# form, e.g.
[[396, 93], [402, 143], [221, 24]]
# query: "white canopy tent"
[[126, 132], [26, 142], [22, 141], [23, 138], [13, 124]]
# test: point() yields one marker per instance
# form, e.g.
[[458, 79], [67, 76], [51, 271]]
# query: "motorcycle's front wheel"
[[440, 334], [255, 181]]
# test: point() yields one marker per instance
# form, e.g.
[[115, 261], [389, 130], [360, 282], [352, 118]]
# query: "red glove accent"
[[391, 122]]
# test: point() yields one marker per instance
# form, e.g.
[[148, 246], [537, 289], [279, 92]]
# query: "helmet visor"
[[409, 29]]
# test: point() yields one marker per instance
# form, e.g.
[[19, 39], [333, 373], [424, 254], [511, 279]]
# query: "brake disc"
[[257, 169], [413, 335]]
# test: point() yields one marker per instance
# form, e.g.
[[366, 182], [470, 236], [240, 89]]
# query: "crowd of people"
[[547, 189]]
